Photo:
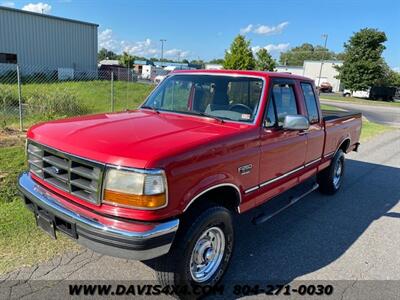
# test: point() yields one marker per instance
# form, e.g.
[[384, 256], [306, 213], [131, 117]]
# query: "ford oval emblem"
[[56, 170]]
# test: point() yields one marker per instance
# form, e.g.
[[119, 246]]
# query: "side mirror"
[[295, 122]]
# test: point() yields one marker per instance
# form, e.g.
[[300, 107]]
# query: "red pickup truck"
[[164, 181]]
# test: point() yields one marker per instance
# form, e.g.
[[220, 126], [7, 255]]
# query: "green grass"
[[370, 130], [359, 101], [95, 95], [329, 107], [21, 242]]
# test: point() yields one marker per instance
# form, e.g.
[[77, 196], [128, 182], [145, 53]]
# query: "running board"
[[265, 217]]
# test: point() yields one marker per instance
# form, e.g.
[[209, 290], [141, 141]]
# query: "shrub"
[[8, 97], [55, 104]]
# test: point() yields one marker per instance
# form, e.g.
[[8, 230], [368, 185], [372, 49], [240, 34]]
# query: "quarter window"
[[271, 119], [311, 103]]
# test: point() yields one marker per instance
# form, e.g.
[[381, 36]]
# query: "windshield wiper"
[[153, 108], [209, 116]]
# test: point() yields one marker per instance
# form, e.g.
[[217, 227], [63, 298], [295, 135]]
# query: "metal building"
[[313, 69], [33, 39]]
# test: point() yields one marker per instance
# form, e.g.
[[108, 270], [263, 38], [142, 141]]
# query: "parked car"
[[164, 182], [325, 87], [374, 93]]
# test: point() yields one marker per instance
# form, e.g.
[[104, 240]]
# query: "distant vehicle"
[[160, 78], [397, 94], [150, 72], [325, 87], [374, 93]]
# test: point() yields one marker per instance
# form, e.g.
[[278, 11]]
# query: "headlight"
[[130, 188]]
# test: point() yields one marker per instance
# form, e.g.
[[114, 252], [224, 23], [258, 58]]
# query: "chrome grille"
[[79, 177]]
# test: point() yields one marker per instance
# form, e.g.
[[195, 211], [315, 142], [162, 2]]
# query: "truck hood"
[[134, 138]]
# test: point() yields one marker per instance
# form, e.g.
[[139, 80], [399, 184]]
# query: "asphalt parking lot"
[[353, 236]]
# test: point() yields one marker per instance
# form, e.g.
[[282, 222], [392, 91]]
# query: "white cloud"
[[264, 29], [268, 30], [7, 4], [246, 29], [147, 47], [176, 53], [396, 69], [273, 48], [38, 7]]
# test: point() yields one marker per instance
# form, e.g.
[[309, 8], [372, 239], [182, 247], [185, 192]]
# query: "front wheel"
[[330, 179], [201, 251]]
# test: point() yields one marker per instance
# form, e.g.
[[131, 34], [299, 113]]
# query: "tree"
[[297, 55], [363, 65], [264, 61], [126, 59], [217, 61], [185, 61], [106, 54], [239, 56]]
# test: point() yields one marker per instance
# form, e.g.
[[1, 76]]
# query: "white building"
[[312, 69], [213, 67], [328, 73], [109, 62], [290, 69]]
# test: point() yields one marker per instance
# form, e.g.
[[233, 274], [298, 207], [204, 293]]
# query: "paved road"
[[388, 115], [352, 236]]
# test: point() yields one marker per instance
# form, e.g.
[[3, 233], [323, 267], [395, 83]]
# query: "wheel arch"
[[344, 145], [225, 194]]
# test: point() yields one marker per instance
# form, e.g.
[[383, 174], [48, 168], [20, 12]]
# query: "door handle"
[[302, 133]]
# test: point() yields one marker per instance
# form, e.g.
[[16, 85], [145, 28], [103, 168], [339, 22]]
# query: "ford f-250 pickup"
[[163, 182]]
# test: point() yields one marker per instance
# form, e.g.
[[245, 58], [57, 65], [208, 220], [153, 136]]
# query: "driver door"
[[283, 152]]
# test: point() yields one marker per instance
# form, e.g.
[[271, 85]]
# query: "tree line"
[[363, 65]]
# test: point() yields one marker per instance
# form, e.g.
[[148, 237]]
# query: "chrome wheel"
[[337, 175], [207, 254]]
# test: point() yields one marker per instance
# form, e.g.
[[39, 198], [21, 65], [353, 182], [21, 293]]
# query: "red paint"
[[197, 152]]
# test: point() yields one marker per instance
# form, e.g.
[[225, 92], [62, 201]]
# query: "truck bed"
[[339, 126], [330, 115]]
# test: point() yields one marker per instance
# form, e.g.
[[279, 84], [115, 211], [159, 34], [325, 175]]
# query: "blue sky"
[[205, 28]]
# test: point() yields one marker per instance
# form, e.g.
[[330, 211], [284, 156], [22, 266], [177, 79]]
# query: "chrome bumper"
[[155, 240]]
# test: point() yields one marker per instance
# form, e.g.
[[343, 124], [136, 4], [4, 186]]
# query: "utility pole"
[[162, 48], [324, 36]]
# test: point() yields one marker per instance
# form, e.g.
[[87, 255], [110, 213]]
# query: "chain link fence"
[[29, 94]]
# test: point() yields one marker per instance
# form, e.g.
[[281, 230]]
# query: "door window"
[[285, 101]]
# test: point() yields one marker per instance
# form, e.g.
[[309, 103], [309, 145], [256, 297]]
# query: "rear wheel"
[[201, 251], [330, 179]]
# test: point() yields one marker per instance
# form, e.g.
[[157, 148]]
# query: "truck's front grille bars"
[[79, 177]]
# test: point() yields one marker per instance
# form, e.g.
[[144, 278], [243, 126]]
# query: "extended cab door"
[[316, 133], [283, 152]]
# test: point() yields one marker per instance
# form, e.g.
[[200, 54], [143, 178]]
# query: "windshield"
[[224, 97]]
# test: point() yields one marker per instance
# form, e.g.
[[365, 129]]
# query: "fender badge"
[[246, 169]]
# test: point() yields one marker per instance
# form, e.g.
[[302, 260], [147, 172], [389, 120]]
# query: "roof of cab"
[[264, 74]]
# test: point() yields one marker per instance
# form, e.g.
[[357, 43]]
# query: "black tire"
[[330, 179], [173, 269]]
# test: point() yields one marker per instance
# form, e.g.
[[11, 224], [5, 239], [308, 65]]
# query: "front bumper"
[[146, 241]]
